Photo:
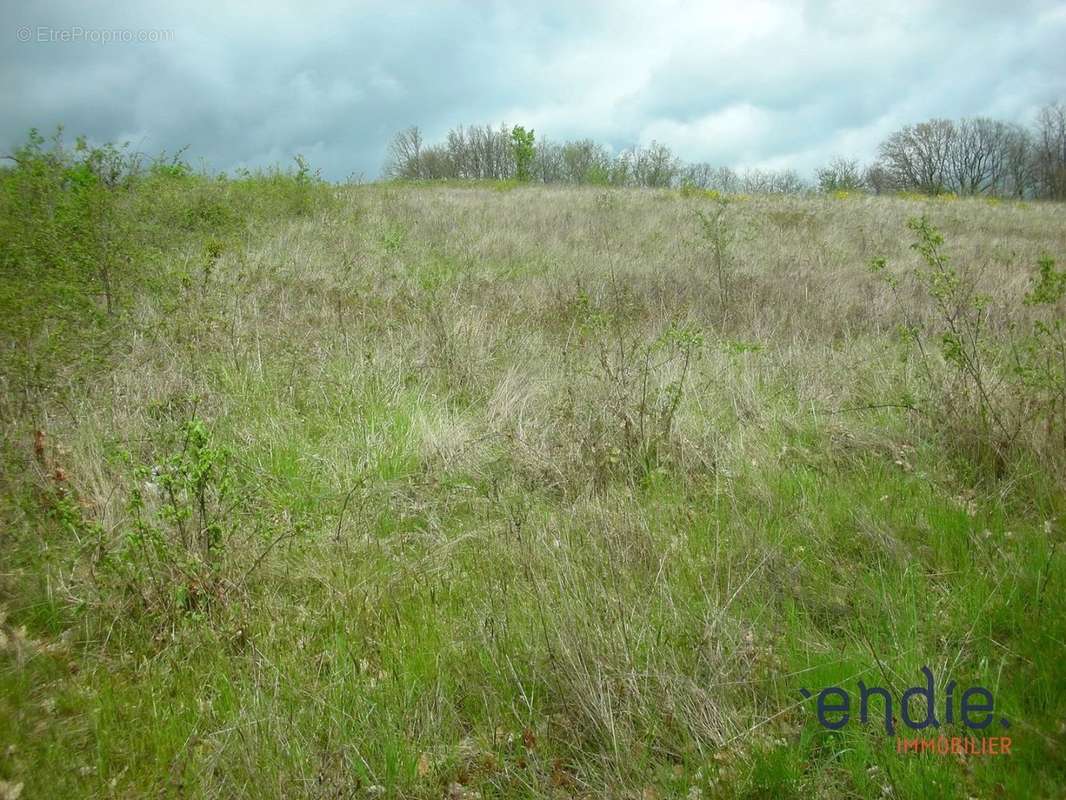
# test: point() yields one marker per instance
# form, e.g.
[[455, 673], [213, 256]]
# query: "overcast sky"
[[743, 84]]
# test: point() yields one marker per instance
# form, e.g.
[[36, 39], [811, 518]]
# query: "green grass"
[[448, 566]]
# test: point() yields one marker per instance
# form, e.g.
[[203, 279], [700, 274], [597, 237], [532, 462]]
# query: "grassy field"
[[486, 491]]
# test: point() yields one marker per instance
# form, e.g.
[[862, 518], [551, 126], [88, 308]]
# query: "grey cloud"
[[768, 83]]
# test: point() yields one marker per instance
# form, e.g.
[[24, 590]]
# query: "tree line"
[[971, 156], [482, 152]]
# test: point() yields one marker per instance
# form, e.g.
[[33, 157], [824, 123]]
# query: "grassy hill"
[[506, 491]]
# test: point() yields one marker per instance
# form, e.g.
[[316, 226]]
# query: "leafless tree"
[[917, 156], [585, 161], [971, 156], [768, 181], [655, 166], [621, 169], [840, 174], [437, 163], [548, 162], [481, 152], [977, 156], [405, 155], [725, 180], [708, 176], [879, 178], [1019, 169], [1050, 151]]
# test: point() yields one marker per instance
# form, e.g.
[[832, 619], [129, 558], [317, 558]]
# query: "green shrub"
[[638, 384], [1040, 356], [63, 213], [67, 249], [986, 389], [171, 555], [719, 236], [690, 189]]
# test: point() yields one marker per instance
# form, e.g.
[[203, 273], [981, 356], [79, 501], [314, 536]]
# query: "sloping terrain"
[[440, 491]]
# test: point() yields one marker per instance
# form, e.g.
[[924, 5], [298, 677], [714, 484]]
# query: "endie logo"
[[920, 707]]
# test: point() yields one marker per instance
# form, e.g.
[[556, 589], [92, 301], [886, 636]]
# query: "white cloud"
[[759, 83]]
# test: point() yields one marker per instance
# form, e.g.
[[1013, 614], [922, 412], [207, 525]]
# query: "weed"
[[393, 237], [978, 400], [1040, 356], [179, 508], [720, 237], [640, 384]]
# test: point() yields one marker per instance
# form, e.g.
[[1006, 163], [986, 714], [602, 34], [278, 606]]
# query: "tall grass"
[[421, 491]]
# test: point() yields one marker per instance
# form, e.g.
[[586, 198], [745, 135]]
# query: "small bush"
[[689, 190], [1040, 356], [210, 211], [720, 236], [986, 390], [68, 246], [636, 384], [62, 212], [171, 555]]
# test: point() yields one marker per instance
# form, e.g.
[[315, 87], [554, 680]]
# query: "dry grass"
[[466, 554]]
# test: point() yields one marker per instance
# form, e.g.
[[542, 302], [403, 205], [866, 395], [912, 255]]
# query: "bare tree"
[[621, 169], [917, 157], [972, 156], [585, 161], [481, 152], [1050, 151], [977, 156], [879, 178], [548, 166], [655, 166], [787, 181], [437, 163], [725, 179], [840, 174], [768, 181], [699, 175], [405, 155], [1019, 169]]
